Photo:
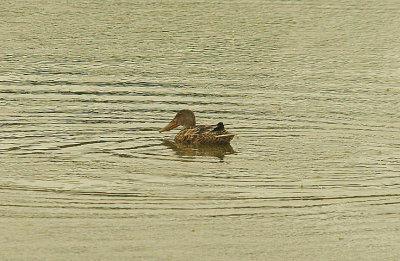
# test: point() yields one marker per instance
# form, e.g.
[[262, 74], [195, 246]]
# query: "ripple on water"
[[100, 140]]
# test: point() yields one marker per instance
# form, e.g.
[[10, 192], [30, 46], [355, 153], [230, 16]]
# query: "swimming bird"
[[197, 134]]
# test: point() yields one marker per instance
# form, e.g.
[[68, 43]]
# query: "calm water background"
[[310, 87]]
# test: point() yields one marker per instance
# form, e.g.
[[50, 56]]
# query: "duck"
[[197, 134]]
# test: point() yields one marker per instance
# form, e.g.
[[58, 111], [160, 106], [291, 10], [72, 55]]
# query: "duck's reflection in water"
[[215, 150]]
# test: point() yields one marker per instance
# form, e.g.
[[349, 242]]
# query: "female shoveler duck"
[[197, 134]]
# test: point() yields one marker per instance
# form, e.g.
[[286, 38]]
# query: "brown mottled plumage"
[[197, 134]]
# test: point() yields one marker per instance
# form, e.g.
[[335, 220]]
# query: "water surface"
[[311, 89]]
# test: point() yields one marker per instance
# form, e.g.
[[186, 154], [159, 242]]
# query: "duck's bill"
[[170, 126]]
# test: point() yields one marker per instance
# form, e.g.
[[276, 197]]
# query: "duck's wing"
[[203, 129], [205, 134], [215, 130]]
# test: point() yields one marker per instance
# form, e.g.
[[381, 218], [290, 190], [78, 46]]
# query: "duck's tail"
[[226, 135]]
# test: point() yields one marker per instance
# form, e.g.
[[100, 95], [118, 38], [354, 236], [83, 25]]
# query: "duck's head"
[[184, 118]]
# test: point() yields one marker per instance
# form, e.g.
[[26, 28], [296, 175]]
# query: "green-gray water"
[[310, 87]]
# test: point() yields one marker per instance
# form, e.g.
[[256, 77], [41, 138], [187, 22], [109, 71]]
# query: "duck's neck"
[[189, 126], [189, 123]]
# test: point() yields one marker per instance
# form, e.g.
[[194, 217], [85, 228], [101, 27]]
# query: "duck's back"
[[205, 134]]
